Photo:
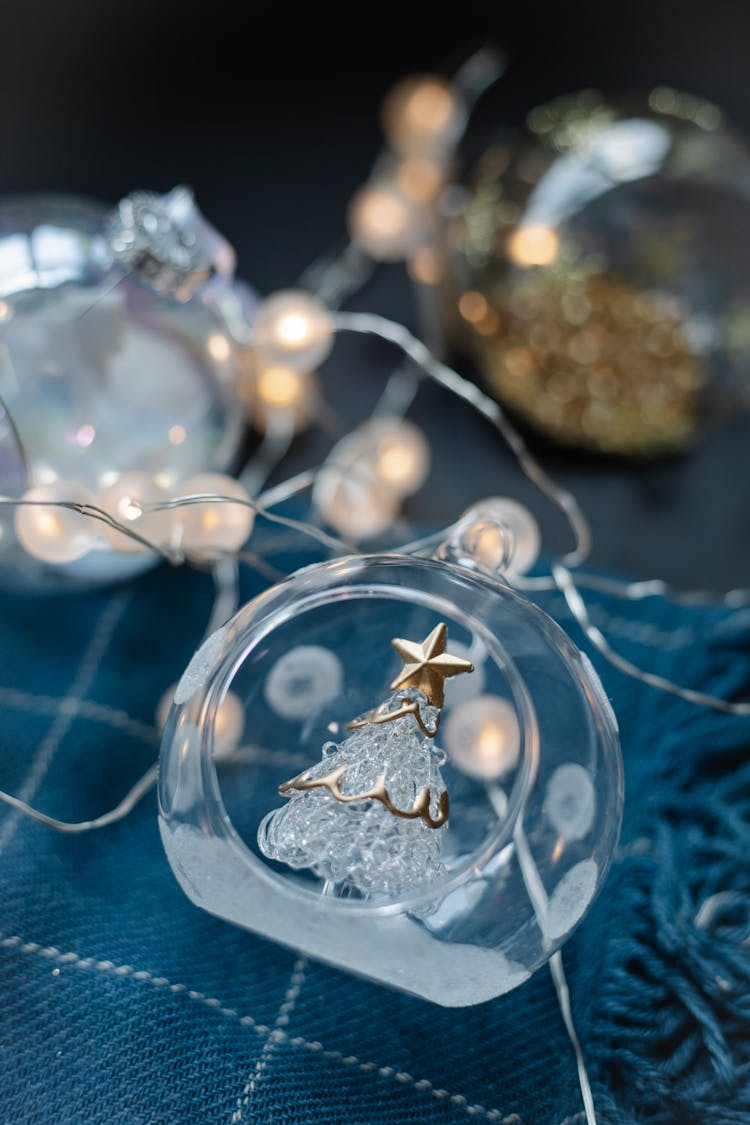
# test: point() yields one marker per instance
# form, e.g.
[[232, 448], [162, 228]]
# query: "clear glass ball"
[[101, 377], [597, 268], [532, 766]]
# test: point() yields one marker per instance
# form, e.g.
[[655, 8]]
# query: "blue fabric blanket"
[[123, 1003]]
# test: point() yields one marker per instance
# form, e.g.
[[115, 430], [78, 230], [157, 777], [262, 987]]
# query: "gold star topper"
[[427, 665]]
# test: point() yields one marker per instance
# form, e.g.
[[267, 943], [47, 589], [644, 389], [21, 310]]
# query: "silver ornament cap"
[[164, 242]]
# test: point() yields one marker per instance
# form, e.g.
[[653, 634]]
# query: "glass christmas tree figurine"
[[368, 817]]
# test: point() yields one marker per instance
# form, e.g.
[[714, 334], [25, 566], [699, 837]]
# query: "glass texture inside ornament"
[[597, 269], [362, 845], [458, 913], [101, 377]]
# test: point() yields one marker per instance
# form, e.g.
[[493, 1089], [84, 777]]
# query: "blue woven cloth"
[[123, 1003]]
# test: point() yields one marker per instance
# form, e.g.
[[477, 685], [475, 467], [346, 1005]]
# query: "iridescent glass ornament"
[[597, 268], [116, 357]]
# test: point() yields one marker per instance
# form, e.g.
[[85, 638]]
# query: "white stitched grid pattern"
[[73, 706], [282, 1019], [421, 1085], [68, 709]]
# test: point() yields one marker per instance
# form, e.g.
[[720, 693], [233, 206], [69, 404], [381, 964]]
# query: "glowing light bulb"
[[383, 222], [533, 246], [422, 114], [402, 455], [4, 310], [353, 501], [509, 540], [472, 306], [419, 178], [211, 527], [51, 534], [426, 266], [219, 347], [280, 386], [359, 489], [127, 501], [228, 725], [283, 398], [293, 329], [229, 721], [482, 737]]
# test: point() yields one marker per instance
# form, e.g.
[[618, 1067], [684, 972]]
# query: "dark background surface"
[[270, 112]]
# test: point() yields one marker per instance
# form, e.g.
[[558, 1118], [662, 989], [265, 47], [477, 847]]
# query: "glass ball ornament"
[[531, 764], [116, 375], [596, 267]]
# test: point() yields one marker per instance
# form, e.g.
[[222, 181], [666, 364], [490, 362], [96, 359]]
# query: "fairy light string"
[[561, 576]]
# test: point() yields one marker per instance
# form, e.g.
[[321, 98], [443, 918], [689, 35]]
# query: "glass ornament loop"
[[533, 767], [165, 242], [497, 537]]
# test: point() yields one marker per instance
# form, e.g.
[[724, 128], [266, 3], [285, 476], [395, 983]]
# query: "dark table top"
[[270, 113]]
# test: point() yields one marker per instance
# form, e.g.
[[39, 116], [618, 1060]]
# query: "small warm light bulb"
[[229, 721], [426, 266], [127, 500], [533, 246], [282, 398], [402, 455], [422, 114], [482, 737], [4, 310], [383, 222], [293, 329], [353, 501], [510, 539], [280, 386], [52, 534], [219, 347], [367, 474], [472, 306], [211, 527], [419, 178], [228, 725]]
